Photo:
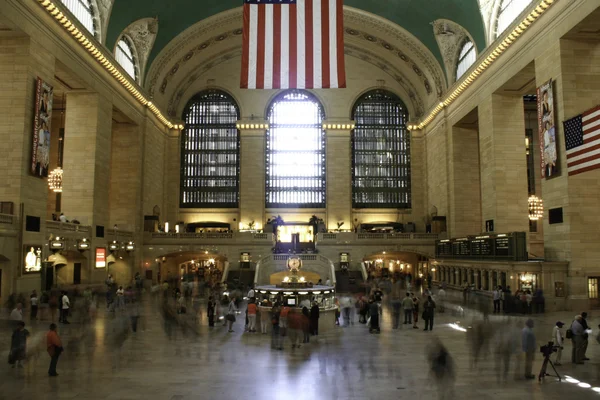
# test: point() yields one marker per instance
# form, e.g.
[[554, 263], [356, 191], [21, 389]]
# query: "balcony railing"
[[232, 236], [7, 219], [347, 236], [67, 227]]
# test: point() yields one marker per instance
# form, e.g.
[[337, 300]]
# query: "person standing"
[[428, 310], [585, 336], [210, 312], [496, 294], [252, 309], [18, 345], [294, 327], [54, 347], [374, 316], [407, 305], [283, 325], [231, 314], [557, 338], [306, 324], [120, 297], [529, 348], [33, 299], [276, 342], [265, 316], [578, 339], [314, 319], [66, 305], [415, 301]]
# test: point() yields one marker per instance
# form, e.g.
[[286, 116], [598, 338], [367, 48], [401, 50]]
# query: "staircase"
[[349, 281]]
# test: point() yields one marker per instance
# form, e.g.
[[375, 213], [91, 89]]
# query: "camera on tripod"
[[548, 349]]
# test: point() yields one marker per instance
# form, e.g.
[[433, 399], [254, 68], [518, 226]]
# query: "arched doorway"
[[398, 266]]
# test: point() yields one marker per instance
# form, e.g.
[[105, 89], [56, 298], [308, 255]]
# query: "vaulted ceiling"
[[415, 16]]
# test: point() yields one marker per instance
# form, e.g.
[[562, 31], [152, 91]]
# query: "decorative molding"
[[450, 36], [142, 33], [389, 30], [353, 51]]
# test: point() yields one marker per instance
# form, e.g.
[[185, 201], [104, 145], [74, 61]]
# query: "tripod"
[[543, 372]]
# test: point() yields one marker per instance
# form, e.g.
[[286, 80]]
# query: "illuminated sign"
[[100, 257]]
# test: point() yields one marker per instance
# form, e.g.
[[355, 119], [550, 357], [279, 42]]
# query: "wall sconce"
[[130, 246], [57, 244], [113, 246], [83, 244]]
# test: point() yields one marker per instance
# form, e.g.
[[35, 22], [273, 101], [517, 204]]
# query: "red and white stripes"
[[297, 45]]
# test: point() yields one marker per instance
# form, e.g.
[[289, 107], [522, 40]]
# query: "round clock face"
[[294, 263]]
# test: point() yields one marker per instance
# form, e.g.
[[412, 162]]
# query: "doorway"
[[77, 273], [593, 292]]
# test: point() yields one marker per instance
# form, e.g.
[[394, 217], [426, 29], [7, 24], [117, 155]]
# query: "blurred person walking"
[[407, 305], [18, 345], [54, 348], [442, 370], [529, 348]]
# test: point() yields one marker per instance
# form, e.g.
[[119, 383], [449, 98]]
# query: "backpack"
[[569, 333]]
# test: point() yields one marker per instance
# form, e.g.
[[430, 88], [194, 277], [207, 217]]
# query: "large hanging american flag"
[[582, 139], [295, 44]]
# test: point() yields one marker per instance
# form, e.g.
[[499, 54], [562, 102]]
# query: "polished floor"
[[167, 359]]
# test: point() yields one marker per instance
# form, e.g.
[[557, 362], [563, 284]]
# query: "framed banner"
[[547, 131], [40, 155], [32, 258]]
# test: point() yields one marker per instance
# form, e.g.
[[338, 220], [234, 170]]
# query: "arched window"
[[508, 11], [125, 57], [466, 58], [295, 152], [380, 152], [210, 152], [84, 12]]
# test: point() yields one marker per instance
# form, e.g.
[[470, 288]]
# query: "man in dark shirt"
[[378, 298], [585, 335]]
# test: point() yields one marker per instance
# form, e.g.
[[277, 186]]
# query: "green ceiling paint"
[[174, 16]]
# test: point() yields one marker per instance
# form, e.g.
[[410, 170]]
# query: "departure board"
[[508, 246]]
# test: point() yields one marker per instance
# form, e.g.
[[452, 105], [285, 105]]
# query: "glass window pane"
[[210, 152], [466, 58], [508, 12], [83, 11], [380, 152], [125, 58], [295, 175]]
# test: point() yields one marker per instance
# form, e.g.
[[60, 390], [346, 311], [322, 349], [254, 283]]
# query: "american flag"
[[582, 138], [295, 44]]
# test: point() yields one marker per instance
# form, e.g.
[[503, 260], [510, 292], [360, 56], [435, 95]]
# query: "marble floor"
[[169, 360]]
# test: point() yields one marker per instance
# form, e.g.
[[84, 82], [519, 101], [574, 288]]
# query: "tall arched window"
[[84, 12], [380, 152], [508, 11], [466, 58], [295, 152], [210, 152], [126, 58]]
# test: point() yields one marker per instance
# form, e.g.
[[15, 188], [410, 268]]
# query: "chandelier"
[[536, 208], [55, 178]]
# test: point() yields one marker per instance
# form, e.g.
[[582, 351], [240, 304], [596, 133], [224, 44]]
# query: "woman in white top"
[[120, 296], [33, 299]]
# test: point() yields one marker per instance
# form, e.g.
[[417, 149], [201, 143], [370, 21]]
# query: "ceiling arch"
[[367, 37], [415, 16]]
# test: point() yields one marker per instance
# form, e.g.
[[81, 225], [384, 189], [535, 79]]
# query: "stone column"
[[252, 176], [339, 178], [464, 183], [125, 173], [87, 157], [572, 64], [22, 61], [503, 164]]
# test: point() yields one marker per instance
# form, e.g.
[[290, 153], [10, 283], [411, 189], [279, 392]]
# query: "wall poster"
[[547, 131], [40, 156], [33, 258]]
